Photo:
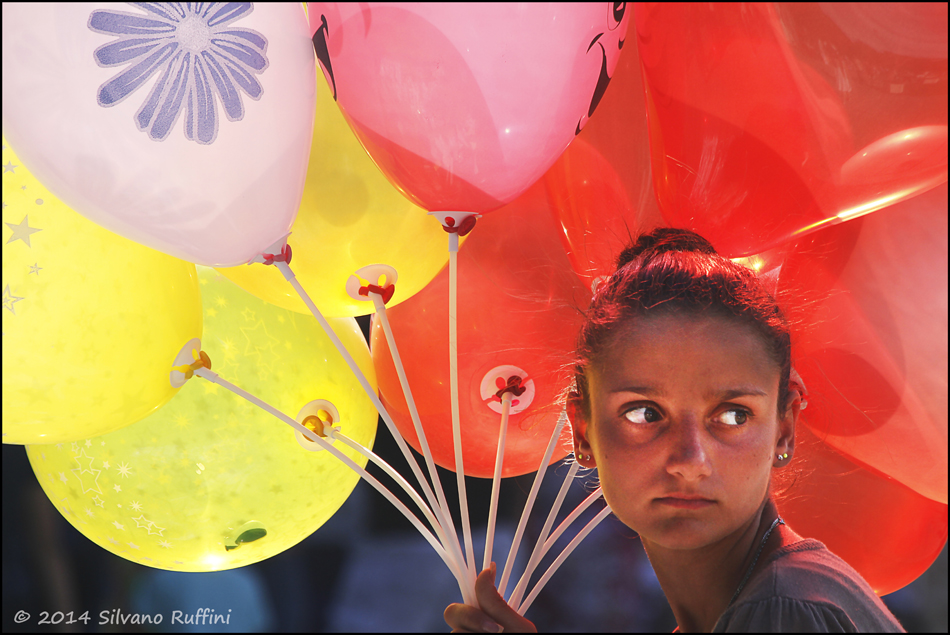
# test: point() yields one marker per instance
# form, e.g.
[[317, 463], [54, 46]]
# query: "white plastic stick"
[[496, 478], [537, 553], [371, 393], [561, 558], [216, 379], [446, 517], [552, 539], [454, 389], [532, 495], [587, 502], [458, 569]]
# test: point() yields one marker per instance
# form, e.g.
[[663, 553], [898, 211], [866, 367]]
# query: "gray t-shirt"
[[804, 588]]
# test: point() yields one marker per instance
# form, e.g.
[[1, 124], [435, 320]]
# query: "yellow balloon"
[[212, 482], [82, 307], [350, 217]]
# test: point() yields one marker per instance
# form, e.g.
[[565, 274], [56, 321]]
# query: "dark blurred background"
[[365, 570]]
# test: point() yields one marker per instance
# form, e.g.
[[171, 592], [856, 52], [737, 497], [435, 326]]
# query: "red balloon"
[[519, 311], [887, 532], [870, 339], [601, 187], [592, 206], [764, 119]]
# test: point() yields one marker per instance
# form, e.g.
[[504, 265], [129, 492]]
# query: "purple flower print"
[[198, 56]]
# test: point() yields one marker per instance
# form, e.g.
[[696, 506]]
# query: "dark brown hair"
[[678, 271]]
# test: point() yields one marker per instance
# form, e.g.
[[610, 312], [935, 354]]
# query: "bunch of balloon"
[[601, 188], [350, 217], [755, 121], [238, 80], [463, 108], [522, 308], [871, 339], [77, 300], [211, 482]]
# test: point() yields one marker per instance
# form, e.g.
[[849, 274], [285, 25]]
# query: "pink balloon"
[[464, 106], [185, 130]]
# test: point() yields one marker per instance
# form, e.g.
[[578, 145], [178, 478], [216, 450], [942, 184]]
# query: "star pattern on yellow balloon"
[[164, 544], [89, 480], [22, 231], [9, 299], [260, 344], [124, 470], [36, 268], [88, 460]]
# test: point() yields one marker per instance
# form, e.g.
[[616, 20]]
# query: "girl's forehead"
[[674, 345]]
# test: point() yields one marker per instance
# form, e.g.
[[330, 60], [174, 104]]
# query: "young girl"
[[685, 402]]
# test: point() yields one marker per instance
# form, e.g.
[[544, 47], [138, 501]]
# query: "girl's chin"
[[678, 534]]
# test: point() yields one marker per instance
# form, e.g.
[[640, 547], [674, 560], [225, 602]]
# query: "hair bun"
[[663, 239]]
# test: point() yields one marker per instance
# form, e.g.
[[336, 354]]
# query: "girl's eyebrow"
[[648, 391], [721, 393], [738, 391]]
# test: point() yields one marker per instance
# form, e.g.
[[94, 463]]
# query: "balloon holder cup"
[[456, 224], [185, 357], [318, 408], [379, 279], [275, 252], [496, 379]]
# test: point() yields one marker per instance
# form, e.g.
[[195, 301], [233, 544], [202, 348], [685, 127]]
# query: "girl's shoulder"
[[804, 587]]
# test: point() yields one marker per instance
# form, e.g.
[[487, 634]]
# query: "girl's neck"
[[699, 583]]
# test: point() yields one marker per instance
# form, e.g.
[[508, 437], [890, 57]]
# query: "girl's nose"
[[687, 452]]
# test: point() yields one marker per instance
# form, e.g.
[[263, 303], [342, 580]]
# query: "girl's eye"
[[735, 417], [641, 415]]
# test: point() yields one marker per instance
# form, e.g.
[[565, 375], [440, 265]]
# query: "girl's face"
[[683, 408]]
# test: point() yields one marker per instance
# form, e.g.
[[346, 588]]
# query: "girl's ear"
[[797, 401], [578, 419]]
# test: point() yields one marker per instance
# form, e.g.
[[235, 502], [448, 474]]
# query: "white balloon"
[[187, 132]]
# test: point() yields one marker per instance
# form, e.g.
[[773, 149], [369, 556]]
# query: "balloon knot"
[[513, 385], [465, 227], [201, 361], [284, 256], [318, 424], [386, 292]]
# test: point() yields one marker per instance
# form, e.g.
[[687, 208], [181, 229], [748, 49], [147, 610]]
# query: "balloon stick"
[[453, 557], [213, 377], [288, 274], [552, 539], [539, 550], [496, 478], [563, 556], [454, 389], [532, 495], [446, 516]]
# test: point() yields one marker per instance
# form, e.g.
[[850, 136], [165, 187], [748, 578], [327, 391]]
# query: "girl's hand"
[[495, 615]]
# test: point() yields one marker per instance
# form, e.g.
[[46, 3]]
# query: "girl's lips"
[[685, 503]]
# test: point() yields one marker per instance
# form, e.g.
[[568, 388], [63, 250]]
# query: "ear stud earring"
[[782, 457]]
